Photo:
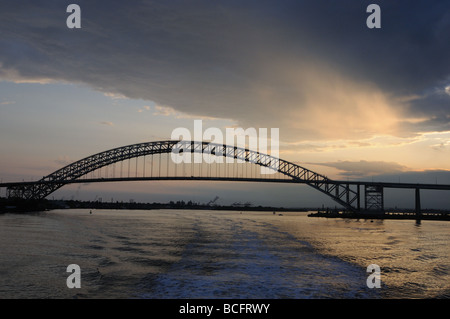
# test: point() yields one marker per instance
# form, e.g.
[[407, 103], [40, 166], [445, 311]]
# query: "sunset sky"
[[350, 102]]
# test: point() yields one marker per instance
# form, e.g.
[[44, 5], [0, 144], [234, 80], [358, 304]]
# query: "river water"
[[219, 254]]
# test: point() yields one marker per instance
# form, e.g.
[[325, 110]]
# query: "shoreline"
[[8, 206], [11, 206], [440, 216]]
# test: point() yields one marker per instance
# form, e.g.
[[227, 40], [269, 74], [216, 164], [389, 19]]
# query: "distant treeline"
[[169, 205]]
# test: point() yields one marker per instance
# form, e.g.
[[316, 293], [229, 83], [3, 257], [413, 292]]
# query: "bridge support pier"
[[358, 198], [374, 198], [418, 209]]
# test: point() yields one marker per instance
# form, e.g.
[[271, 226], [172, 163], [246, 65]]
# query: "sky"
[[350, 102]]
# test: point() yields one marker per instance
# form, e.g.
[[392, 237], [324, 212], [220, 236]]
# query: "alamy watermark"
[[257, 141], [74, 280], [73, 21], [374, 279]]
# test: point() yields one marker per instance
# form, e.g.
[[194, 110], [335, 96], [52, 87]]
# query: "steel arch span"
[[339, 191]]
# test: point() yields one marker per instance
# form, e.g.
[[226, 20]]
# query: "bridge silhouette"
[[348, 194]]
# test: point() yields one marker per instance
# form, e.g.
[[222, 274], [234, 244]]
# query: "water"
[[219, 254]]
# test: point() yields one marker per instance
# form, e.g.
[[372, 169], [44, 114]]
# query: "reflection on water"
[[218, 254], [414, 258]]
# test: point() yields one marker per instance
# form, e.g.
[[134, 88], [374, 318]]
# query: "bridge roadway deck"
[[237, 179]]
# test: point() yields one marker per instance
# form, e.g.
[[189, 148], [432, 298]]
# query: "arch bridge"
[[348, 194]]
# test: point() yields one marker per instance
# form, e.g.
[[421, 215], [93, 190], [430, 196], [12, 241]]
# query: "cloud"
[[375, 142], [106, 123], [360, 169], [164, 111], [170, 111], [441, 146], [293, 64], [430, 176], [7, 102], [439, 141], [114, 96], [144, 108], [431, 109], [13, 75]]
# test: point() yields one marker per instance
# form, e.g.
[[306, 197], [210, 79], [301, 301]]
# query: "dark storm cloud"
[[246, 60], [434, 109]]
